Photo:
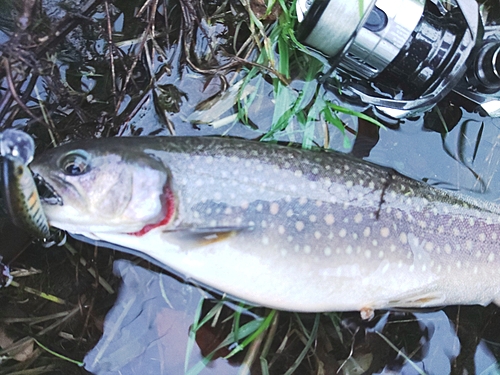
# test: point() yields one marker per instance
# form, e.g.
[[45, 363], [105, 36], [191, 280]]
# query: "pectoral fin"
[[197, 237], [418, 299]]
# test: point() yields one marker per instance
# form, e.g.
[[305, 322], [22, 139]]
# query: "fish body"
[[277, 226]]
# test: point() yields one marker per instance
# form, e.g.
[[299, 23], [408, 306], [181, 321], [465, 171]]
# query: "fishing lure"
[[19, 190], [21, 198]]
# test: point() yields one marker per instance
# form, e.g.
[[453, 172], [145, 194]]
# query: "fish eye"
[[75, 163]]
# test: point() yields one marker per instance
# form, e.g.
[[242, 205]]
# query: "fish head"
[[103, 189]]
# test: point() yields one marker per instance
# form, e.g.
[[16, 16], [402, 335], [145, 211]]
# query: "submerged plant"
[[304, 107]]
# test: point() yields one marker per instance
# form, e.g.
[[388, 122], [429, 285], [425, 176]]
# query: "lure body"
[[21, 198]]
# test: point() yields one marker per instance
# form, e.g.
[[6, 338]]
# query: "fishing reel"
[[402, 57]]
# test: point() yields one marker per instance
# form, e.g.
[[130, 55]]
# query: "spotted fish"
[[278, 226]]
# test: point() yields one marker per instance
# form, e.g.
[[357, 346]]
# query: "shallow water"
[[147, 330]]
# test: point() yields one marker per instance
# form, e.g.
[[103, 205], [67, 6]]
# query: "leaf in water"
[[221, 104]]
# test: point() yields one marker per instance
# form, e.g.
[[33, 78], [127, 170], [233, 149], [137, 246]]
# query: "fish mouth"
[[46, 191]]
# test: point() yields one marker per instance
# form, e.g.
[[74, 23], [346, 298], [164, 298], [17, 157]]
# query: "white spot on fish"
[[327, 251], [299, 225], [429, 246], [298, 173], [368, 254], [244, 205], [342, 233], [374, 242], [283, 252], [366, 232], [349, 184], [307, 249], [380, 254], [312, 218], [281, 229], [263, 224], [329, 219], [289, 213], [265, 240], [317, 235], [482, 237], [491, 257], [259, 207], [358, 218], [384, 232], [274, 208], [447, 249], [348, 249], [302, 201], [403, 238], [289, 238]]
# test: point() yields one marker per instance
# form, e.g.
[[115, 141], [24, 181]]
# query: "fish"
[[277, 226], [21, 199]]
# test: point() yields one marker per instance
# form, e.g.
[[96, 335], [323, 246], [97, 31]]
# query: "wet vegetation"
[[71, 70]]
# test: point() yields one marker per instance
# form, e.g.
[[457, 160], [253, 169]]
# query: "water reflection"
[[148, 332]]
